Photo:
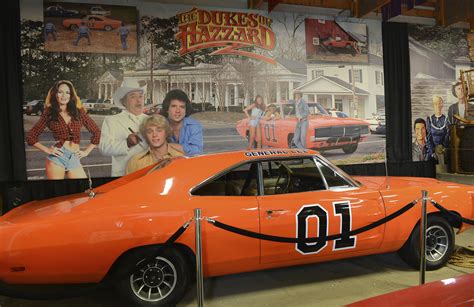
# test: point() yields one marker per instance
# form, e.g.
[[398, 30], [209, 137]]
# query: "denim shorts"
[[254, 122], [69, 160]]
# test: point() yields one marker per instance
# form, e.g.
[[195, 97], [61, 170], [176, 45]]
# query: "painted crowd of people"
[[83, 31], [131, 138], [432, 135]]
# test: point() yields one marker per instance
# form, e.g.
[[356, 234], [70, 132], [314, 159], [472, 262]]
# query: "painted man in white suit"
[[120, 137]]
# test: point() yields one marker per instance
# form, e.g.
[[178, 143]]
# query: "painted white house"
[[227, 84], [334, 86]]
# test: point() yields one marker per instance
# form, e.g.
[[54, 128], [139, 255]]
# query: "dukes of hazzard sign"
[[201, 29]]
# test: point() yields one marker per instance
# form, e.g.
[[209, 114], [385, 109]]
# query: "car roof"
[[208, 165]]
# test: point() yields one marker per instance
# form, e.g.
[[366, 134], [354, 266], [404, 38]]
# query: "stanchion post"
[[423, 226], [199, 274]]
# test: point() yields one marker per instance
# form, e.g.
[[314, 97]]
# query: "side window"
[[240, 181], [333, 179], [291, 176]]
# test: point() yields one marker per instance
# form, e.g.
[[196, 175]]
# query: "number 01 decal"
[[269, 133], [309, 213]]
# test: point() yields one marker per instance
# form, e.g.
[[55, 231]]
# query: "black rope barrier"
[[267, 237], [160, 248], [454, 215]]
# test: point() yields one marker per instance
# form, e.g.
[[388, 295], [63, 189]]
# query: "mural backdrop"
[[222, 59], [437, 57]]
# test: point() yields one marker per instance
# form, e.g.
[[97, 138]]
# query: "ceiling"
[[441, 12]]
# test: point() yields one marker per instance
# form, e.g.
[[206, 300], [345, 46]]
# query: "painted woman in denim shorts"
[[64, 115], [256, 112]]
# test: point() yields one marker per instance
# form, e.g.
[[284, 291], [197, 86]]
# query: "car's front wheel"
[[439, 244], [160, 282], [108, 28], [290, 140], [73, 27], [350, 148]]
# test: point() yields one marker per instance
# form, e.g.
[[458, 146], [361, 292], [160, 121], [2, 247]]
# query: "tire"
[[169, 273], [439, 244], [108, 28], [73, 27], [290, 140], [350, 148], [39, 113], [113, 112]]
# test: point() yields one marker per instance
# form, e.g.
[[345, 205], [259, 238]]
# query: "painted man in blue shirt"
[[123, 31], [186, 130], [49, 28], [302, 113], [83, 31]]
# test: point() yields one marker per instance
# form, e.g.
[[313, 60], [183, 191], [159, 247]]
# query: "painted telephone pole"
[[354, 97], [151, 71]]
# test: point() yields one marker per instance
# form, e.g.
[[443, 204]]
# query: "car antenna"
[[387, 178], [91, 191]]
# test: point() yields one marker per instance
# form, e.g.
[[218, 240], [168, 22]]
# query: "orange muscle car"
[[95, 22], [324, 132], [110, 234]]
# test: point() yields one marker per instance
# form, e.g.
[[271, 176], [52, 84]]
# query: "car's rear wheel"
[[350, 148], [73, 27], [160, 282], [108, 28], [439, 244], [40, 112], [290, 140]]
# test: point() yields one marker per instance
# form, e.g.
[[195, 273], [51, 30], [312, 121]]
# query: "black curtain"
[[12, 152], [396, 65]]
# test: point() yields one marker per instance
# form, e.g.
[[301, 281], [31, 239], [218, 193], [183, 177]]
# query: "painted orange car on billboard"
[[324, 132], [95, 22], [109, 235]]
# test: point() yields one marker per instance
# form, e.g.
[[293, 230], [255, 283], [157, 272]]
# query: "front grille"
[[341, 131]]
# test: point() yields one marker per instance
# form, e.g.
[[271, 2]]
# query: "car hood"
[[337, 121], [37, 210]]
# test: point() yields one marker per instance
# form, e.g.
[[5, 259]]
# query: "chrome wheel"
[[437, 243], [440, 242], [155, 281]]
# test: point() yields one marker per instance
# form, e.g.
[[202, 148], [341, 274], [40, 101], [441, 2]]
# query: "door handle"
[[271, 211]]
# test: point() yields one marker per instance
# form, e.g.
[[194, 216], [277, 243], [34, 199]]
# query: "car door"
[[306, 197], [230, 198], [270, 130]]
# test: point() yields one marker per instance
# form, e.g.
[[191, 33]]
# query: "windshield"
[[338, 170], [314, 109]]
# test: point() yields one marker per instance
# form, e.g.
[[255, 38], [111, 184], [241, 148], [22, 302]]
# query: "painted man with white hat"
[[120, 137]]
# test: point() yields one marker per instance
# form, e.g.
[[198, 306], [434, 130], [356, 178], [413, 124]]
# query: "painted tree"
[[290, 40]]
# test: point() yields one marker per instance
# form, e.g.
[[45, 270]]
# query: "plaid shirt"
[[64, 132]]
